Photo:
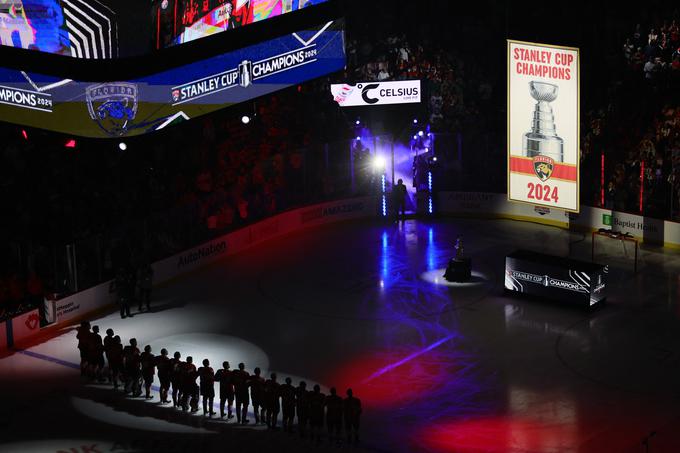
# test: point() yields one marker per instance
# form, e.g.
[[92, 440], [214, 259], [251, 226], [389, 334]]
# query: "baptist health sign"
[[376, 93], [543, 125]]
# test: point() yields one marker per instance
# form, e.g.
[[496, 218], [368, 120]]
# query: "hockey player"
[[148, 361], [190, 397], [96, 354], [240, 378], [257, 396], [302, 407], [334, 405], [207, 376], [128, 352], [115, 361], [133, 373], [83, 336], [108, 343], [317, 402], [223, 376], [163, 366], [352, 412], [288, 405], [176, 367], [272, 401]]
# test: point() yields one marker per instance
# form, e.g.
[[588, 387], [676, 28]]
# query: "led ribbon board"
[[543, 125], [134, 107]]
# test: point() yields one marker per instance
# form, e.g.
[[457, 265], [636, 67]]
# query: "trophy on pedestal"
[[460, 266]]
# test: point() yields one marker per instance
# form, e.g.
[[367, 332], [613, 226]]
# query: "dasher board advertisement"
[[543, 125]]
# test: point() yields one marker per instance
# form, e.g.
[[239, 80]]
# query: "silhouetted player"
[[96, 354], [399, 198], [302, 407], [240, 378], [148, 361], [334, 406], [352, 412], [83, 336], [115, 361], [176, 366], [317, 403], [288, 404], [257, 396], [133, 372], [207, 376], [109, 341], [223, 376], [163, 365], [191, 388], [122, 285], [145, 280], [273, 403], [128, 365]]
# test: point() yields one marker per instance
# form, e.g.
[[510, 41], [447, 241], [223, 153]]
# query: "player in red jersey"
[[148, 361], [257, 396], [223, 376], [207, 376], [163, 366], [176, 367], [241, 380]]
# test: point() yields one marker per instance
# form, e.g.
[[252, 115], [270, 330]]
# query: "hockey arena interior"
[[339, 225]]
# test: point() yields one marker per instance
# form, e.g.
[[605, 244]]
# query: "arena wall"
[[90, 301]]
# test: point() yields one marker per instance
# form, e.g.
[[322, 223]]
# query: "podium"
[[459, 270]]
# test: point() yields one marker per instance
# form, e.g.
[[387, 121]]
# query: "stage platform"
[[439, 366]]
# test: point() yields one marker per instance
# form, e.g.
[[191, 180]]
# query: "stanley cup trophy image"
[[542, 140]]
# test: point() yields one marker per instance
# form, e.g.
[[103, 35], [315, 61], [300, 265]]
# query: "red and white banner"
[[25, 326], [543, 125]]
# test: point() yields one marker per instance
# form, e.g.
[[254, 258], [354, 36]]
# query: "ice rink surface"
[[438, 367]]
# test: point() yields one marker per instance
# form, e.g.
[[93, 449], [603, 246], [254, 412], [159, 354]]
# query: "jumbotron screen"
[[102, 29], [147, 104], [181, 21]]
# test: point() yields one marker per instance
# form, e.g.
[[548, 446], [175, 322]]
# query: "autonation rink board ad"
[[543, 125]]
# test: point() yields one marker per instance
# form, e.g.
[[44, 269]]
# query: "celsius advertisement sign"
[[138, 106], [543, 125], [377, 93]]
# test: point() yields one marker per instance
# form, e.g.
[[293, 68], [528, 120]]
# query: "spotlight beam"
[[407, 359]]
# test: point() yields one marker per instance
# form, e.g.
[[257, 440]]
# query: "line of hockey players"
[[135, 371]]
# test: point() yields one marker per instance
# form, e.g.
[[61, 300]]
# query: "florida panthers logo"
[[113, 106], [543, 167]]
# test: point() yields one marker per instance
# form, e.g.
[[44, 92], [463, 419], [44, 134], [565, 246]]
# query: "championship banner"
[[376, 93], [543, 125]]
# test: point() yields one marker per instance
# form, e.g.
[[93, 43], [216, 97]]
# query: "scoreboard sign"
[[543, 125]]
